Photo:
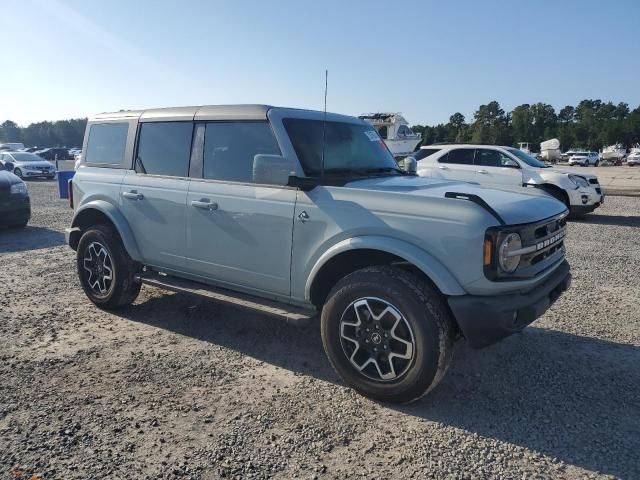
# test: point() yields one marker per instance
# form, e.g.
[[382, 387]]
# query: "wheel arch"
[[102, 212], [353, 254], [550, 187]]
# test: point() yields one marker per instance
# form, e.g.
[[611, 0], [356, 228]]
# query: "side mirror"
[[409, 165], [272, 169], [509, 163]]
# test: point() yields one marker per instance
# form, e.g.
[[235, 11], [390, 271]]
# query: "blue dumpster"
[[63, 183]]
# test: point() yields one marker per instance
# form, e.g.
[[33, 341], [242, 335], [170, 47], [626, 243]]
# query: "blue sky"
[[73, 58]]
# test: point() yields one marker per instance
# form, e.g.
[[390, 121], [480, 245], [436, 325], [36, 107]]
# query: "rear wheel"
[[106, 271], [387, 333]]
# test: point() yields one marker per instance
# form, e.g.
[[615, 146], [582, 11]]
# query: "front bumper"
[[585, 199], [38, 173], [16, 211], [484, 320]]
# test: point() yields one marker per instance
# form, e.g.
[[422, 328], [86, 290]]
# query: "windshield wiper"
[[364, 172], [386, 169], [345, 170]]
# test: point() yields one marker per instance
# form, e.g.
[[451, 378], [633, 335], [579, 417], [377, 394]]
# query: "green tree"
[[10, 132], [522, 123]]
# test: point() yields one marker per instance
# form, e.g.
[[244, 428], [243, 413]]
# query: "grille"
[[546, 239]]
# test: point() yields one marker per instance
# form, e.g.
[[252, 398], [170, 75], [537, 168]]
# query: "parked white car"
[[28, 165], [584, 159], [498, 166], [634, 157]]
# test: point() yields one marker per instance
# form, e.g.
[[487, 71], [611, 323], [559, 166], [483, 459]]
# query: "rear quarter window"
[[107, 143]]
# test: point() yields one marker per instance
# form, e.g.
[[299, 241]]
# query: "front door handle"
[[133, 195], [204, 204], [484, 172], [443, 167]]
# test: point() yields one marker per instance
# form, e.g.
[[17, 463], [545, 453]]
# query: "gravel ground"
[[178, 387]]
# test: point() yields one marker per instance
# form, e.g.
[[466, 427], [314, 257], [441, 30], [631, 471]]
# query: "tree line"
[[590, 125], [62, 133]]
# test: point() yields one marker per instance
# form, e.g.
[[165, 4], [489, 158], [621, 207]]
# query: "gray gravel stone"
[[174, 387]]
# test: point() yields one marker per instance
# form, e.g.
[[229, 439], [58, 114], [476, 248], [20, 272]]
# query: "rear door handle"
[[443, 167], [204, 204], [133, 195], [484, 172]]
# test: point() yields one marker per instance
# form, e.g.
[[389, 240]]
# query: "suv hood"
[[569, 172], [515, 205]]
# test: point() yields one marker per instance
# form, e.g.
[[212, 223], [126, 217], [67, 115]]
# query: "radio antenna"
[[324, 123]]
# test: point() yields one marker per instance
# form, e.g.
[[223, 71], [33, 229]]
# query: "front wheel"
[[387, 333], [106, 271], [17, 172]]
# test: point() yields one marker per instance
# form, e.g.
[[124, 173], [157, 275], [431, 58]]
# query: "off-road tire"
[[425, 312], [123, 289]]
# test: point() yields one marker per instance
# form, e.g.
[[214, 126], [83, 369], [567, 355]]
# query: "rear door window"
[[488, 158], [106, 143], [164, 148], [459, 156]]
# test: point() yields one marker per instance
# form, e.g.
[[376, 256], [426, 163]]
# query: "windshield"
[[526, 158], [350, 148], [26, 157], [580, 154]]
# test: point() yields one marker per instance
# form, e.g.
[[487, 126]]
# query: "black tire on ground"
[[421, 309], [597, 163], [17, 172], [101, 244]]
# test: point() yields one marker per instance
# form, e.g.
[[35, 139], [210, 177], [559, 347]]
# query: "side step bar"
[[291, 313]]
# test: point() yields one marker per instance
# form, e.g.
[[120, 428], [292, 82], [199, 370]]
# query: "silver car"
[[28, 165], [306, 215]]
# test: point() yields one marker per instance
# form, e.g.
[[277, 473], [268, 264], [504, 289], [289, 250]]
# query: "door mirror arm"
[[306, 184]]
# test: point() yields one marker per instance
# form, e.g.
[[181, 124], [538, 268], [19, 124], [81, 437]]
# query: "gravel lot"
[[178, 387]]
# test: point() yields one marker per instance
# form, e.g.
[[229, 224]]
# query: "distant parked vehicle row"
[[11, 146], [56, 153]]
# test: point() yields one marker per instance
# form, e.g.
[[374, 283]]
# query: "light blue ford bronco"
[[297, 213]]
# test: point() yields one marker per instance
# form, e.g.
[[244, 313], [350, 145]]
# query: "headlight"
[[17, 188], [578, 181], [507, 258]]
